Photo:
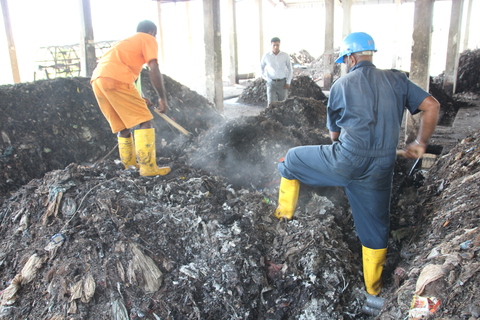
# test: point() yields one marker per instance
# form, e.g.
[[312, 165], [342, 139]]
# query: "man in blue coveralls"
[[364, 116]]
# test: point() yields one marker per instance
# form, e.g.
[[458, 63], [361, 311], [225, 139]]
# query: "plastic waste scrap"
[[423, 307], [28, 273]]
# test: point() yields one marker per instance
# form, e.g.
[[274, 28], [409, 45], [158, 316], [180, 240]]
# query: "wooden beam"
[[11, 44]]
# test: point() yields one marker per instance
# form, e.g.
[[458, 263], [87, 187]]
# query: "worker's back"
[[124, 61], [367, 105]]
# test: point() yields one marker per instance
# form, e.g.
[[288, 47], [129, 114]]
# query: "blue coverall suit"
[[366, 106]]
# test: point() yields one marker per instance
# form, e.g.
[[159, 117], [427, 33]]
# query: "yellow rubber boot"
[[287, 198], [127, 151], [146, 155], [373, 261]]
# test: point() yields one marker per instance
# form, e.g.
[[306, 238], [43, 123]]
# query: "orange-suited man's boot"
[[146, 155], [127, 151]]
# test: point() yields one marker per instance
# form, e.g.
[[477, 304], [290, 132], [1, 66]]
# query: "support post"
[[88, 59], [260, 26], [11, 44], [233, 74], [467, 26], [213, 52], [395, 35], [347, 26], [454, 35], [420, 59], [328, 54], [189, 27], [161, 45]]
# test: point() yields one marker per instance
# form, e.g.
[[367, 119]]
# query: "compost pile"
[[303, 57], [440, 256], [247, 149], [316, 68], [467, 76], [50, 123], [91, 240], [47, 125], [303, 86], [449, 106]]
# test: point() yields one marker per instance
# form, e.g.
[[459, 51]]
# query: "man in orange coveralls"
[[121, 103]]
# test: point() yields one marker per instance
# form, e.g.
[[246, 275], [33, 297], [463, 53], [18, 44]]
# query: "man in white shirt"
[[276, 69]]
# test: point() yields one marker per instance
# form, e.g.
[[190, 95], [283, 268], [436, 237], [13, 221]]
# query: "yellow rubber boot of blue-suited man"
[[373, 261], [146, 154], [287, 198]]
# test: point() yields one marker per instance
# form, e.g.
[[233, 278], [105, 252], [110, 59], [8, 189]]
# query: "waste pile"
[[316, 68], [302, 57], [96, 241], [449, 106], [91, 240], [48, 124], [303, 86], [439, 261], [467, 76], [247, 149]]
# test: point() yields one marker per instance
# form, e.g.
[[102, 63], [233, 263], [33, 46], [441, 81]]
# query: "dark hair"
[[146, 26], [275, 39]]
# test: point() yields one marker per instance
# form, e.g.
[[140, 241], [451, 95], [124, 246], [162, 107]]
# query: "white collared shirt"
[[277, 66]]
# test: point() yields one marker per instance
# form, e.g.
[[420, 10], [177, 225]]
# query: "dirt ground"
[[83, 238]]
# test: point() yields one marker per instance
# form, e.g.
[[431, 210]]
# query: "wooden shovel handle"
[[173, 123]]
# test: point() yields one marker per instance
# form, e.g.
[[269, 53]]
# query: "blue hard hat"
[[356, 42]]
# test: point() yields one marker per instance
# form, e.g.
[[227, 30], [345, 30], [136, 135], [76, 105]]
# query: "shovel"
[[173, 123], [401, 153]]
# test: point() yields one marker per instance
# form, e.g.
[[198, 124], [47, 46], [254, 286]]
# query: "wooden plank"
[[173, 123]]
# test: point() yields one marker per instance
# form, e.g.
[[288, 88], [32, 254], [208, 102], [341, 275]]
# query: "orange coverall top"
[[124, 61]]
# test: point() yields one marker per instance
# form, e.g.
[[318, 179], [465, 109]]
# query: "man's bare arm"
[[430, 108], [157, 81]]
